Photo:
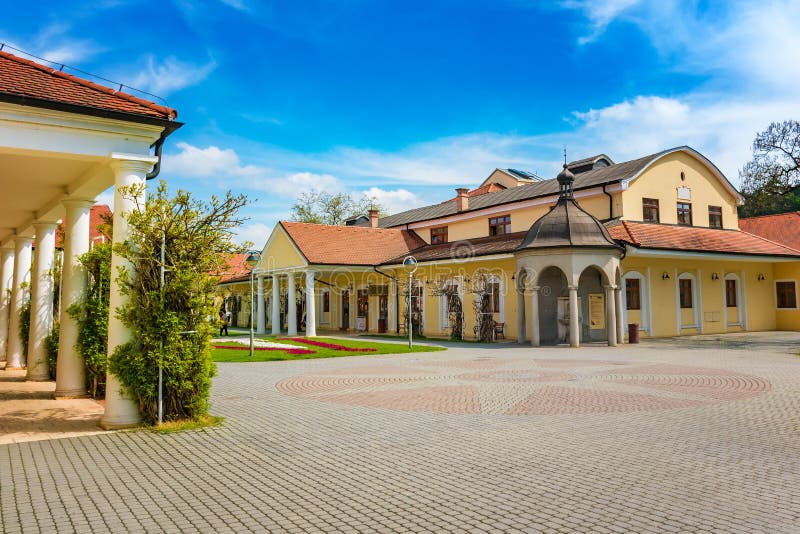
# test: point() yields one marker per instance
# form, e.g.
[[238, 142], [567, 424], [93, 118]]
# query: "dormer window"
[[438, 235], [685, 213], [500, 225], [715, 217], [650, 210]]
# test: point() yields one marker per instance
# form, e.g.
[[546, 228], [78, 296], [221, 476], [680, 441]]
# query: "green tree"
[[173, 326], [91, 314], [771, 179], [326, 208]]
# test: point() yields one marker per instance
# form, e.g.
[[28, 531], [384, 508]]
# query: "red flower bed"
[[297, 350], [331, 346]]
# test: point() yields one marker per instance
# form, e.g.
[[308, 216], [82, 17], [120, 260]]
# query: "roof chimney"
[[462, 199], [373, 218]]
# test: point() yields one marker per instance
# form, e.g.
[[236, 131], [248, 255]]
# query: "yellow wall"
[[471, 226], [662, 180], [280, 253], [787, 319], [758, 295]]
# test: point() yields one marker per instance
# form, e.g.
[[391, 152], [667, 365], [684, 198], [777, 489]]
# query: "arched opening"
[[686, 296], [553, 306], [635, 300], [592, 302], [734, 314]]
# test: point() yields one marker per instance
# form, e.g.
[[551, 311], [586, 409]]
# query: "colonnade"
[[291, 312], [615, 330], [18, 282]]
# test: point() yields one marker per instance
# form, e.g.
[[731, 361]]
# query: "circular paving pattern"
[[525, 387]]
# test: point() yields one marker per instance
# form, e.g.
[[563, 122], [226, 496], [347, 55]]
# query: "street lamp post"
[[252, 260], [410, 264]]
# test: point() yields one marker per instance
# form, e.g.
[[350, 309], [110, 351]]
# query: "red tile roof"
[[24, 78], [696, 239], [350, 245], [236, 269], [97, 215], [783, 228]]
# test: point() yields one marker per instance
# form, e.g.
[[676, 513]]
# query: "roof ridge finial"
[[565, 156]]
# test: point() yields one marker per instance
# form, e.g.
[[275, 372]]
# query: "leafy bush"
[[51, 343], [91, 315], [25, 322], [172, 326]]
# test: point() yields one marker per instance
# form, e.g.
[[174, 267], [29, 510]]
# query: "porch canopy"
[[63, 141]]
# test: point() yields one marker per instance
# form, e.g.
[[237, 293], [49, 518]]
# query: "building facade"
[[653, 242]]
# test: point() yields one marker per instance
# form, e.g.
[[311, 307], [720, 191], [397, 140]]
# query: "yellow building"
[[653, 242]]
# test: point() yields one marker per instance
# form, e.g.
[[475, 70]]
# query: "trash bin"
[[633, 333]]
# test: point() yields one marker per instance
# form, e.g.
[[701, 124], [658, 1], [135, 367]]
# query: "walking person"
[[223, 322]]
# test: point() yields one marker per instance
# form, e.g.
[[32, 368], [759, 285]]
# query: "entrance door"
[[362, 310], [383, 313], [345, 309]]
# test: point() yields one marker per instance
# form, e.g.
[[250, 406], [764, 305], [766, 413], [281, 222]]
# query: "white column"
[[121, 409], [41, 300], [611, 317], [618, 312], [261, 324], [536, 338], [276, 304], [520, 316], [70, 371], [6, 280], [311, 306], [22, 268], [292, 307], [574, 327]]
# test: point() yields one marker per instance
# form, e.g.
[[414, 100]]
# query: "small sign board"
[[684, 193], [361, 324], [597, 312]]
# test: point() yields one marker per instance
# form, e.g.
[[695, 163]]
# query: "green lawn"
[[239, 355]]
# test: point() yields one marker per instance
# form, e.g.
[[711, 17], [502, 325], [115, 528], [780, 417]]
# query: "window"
[[730, 294], [714, 217], [633, 299], [787, 294], [326, 302], [684, 213], [685, 289], [650, 210], [500, 225], [493, 288], [438, 235]]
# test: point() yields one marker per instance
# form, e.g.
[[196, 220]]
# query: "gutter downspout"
[[159, 144], [610, 203], [396, 297]]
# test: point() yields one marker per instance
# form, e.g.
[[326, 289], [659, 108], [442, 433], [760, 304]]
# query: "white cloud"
[[394, 201], [235, 4], [600, 14], [53, 43], [207, 162], [256, 233], [170, 75]]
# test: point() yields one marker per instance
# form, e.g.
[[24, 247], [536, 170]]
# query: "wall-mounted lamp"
[[714, 276], [761, 277], [665, 275]]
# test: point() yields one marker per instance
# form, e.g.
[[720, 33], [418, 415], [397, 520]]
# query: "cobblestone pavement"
[[660, 439]]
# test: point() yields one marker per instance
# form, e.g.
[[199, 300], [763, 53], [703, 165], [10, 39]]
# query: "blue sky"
[[407, 100]]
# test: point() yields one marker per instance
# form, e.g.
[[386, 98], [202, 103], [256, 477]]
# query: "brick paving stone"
[[686, 435]]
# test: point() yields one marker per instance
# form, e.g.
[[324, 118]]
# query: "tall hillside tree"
[[771, 180], [326, 208]]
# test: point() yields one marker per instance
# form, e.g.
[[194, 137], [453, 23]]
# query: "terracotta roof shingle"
[[696, 239], [466, 248], [783, 228], [21, 77], [350, 245], [236, 269]]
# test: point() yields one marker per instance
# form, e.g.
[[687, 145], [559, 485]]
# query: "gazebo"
[[568, 267]]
